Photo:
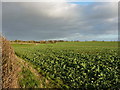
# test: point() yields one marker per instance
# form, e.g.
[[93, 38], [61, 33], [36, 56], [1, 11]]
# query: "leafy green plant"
[[85, 65]]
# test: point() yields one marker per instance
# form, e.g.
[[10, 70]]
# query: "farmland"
[[83, 65]]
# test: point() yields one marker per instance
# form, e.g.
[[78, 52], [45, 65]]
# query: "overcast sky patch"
[[53, 20]]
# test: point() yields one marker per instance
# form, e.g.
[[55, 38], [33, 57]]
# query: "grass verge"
[[27, 79]]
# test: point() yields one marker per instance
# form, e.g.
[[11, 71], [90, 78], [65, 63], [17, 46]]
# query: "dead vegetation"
[[9, 66], [12, 66]]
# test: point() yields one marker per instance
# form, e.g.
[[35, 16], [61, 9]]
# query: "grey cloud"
[[23, 21], [0, 17]]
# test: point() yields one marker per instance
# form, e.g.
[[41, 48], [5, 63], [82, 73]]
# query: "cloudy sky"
[[60, 20]]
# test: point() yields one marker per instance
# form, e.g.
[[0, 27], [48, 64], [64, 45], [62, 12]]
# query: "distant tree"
[[43, 41], [94, 40], [60, 40], [17, 41]]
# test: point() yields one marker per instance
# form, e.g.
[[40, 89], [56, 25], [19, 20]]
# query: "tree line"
[[43, 41]]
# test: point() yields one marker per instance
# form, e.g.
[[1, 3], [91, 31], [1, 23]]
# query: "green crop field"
[[84, 65]]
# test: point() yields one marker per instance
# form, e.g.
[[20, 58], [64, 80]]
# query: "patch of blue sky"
[[81, 3], [108, 36]]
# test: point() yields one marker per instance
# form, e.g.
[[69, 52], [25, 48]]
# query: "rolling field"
[[83, 65]]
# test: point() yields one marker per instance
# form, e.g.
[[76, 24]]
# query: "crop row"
[[73, 69]]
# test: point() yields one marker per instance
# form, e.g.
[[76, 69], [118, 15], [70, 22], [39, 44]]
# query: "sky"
[[0, 17], [60, 21]]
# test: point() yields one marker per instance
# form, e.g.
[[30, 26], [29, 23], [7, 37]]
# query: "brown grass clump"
[[9, 66]]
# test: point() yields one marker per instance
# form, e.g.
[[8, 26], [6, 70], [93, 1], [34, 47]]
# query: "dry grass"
[[9, 66], [12, 66]]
